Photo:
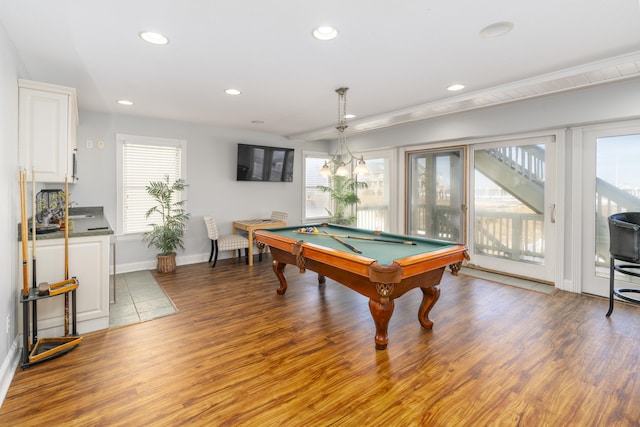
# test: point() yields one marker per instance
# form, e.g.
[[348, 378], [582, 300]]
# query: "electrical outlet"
[[100, 145], [89, 144]]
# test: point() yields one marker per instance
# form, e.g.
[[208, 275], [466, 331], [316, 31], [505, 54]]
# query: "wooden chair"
[[279, 216], [229, 242], [275, 216]]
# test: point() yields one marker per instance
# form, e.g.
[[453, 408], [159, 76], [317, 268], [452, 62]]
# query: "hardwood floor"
[[238, 354]]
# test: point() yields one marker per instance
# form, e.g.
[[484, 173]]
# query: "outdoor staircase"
[[527, 183], [520, 172]]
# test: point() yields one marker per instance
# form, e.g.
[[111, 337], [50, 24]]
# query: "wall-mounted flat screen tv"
[[263, 163]]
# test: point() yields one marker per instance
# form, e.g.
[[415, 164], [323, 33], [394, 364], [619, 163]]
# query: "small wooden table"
[[250, 225]]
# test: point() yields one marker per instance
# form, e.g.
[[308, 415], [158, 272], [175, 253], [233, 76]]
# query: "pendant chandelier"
[[343, 156]]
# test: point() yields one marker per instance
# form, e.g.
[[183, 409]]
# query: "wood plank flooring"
[[237, 353]]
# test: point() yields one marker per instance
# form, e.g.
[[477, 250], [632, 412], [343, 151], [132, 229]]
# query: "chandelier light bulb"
[[342, 170], [325, 171], [361, 168], [343, 153]]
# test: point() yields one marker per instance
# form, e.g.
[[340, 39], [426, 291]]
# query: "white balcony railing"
[[513, 236]]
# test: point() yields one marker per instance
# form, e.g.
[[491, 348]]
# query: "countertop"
[[95, 224]]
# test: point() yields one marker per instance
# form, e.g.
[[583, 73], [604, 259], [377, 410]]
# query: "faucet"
[[72, 203]]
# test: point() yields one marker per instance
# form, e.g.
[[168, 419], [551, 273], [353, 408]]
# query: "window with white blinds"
[[316, 202], [144, 160]]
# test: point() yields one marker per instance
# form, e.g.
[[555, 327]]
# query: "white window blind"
[[141, 164], [316, 202]]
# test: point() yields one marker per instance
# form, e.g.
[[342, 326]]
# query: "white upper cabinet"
[[48, 118]]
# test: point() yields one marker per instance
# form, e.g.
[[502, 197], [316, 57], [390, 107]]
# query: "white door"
[[611, 184], [512, 206], [435, 193]]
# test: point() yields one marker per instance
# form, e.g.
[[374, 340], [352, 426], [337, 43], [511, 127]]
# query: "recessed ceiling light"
[[325, 32], [349, 116], [155, 38], [232, 92], [496, 30], [455, 87], [124, 102]]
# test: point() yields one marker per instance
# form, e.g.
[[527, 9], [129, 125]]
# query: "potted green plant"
[[343, 192], [166, 236]]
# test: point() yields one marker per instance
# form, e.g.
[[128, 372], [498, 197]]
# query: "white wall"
[[211, 174], [604, 103], [9, 210]]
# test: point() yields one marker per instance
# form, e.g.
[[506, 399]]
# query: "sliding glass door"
[[435, 202], [512, 207], [612, 185]]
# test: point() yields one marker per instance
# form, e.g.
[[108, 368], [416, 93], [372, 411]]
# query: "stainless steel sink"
[[80, 216]]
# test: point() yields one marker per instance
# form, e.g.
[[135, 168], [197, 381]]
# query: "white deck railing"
[[507, 235]]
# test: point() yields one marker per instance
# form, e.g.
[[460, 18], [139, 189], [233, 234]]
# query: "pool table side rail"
[[364, 266], [348, 261], [442, 257]]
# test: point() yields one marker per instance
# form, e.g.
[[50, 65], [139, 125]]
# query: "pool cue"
[[373, 239], [66, 254], [25, 237], [33, 227], [353, 248], [34, 312], [25, 263], [66, 285]]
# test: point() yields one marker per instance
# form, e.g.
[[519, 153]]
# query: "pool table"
[[381, 266]]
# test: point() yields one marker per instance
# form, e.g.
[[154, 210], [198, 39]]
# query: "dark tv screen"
[[263, 163]]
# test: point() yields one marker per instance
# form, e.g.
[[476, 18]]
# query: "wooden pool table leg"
[[278, 268], [430, 296], [381, 314]]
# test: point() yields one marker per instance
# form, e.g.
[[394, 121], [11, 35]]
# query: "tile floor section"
[[138, 298]]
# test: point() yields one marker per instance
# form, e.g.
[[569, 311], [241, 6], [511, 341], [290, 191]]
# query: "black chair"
[[624, 245]]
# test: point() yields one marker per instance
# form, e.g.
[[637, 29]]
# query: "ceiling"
[[397, 58]]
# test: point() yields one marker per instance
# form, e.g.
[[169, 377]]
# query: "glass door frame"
[[584, 192], [462, 197], [390, 174], [552, 270]]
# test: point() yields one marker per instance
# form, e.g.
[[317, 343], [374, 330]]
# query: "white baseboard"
[[151, 265], [8, 369]]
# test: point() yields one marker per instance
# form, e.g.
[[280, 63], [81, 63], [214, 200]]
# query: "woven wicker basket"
[[167, 263]]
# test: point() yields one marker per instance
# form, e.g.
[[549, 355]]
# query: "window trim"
[[389, 156], [305, 155], [121, 139]]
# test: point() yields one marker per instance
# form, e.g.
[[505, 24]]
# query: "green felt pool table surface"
[[384, 253]]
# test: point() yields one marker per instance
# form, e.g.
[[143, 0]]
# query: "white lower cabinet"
[[89, 263]]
